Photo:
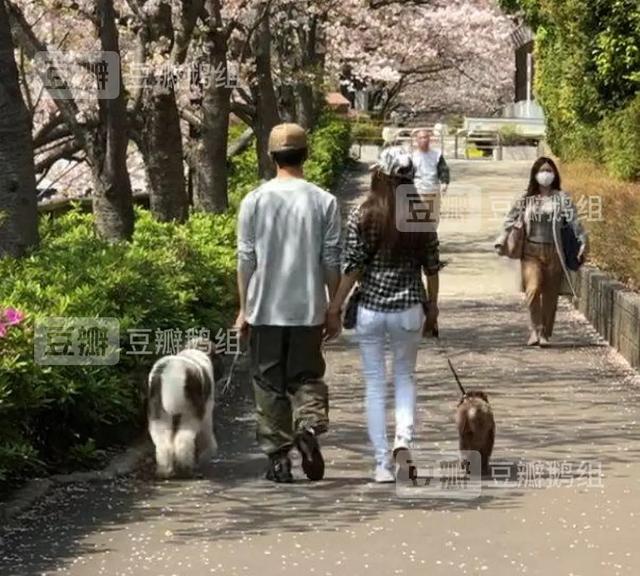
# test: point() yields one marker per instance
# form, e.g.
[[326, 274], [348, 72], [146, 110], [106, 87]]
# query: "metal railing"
[[483, 140], [406, 135]]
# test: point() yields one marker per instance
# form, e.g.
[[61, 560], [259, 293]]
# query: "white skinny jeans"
[[404, 329]]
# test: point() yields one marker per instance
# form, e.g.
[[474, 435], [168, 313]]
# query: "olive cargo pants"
[[288, 368]]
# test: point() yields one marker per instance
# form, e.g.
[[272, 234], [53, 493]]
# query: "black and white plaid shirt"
[[388, 283]]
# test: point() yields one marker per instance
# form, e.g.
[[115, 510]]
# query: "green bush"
[[615, 224], [329, 150], [511, 136], [365, 132], [169, 277], [621, 141], [236, 129], [587, 77]]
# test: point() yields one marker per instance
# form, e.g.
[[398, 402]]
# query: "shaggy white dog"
[[181, 401]]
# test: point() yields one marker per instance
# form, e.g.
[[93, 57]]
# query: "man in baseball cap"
[[288, 256]]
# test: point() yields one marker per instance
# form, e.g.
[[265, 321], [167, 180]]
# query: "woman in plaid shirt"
[[388, 263]]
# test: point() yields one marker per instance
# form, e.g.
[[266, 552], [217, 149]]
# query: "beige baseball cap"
[[287, 137]]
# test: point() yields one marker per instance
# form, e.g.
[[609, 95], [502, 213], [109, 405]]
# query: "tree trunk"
[[112, 199], [18, 205], [163, 156], [161, 138], [211, 174], [305, 105], [106, 145], [308, 90], [266, 116], [287, 103]]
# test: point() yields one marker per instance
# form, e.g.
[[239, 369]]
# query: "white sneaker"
[[383, 474], [401, 443]]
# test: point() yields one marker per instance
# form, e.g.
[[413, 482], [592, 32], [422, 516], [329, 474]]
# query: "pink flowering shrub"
[[9, 317]]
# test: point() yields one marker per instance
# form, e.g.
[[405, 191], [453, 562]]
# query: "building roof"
[[336, 99]]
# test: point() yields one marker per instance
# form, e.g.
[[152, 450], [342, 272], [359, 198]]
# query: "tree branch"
[[137, 10], [29, 42], [245, 112], [40, 136], [191, 117], [66, 151], [375, 4]]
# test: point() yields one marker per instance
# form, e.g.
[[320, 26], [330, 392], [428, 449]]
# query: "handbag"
[[513, 246], [570, 246]]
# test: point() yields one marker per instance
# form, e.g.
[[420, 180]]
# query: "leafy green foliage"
[[621, 141], [512, 136], [169, 277], [588, 70], [329, 149], [366, 132], [617, 226]]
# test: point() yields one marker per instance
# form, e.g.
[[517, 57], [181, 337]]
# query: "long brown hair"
[[378, 218]]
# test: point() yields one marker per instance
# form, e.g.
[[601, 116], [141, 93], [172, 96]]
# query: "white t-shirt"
[[426, 164]]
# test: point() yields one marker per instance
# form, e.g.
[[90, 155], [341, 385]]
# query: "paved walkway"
[[576, 402]]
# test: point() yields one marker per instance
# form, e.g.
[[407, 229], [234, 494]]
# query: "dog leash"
[[232, 369], [236, 358], [455, 375]]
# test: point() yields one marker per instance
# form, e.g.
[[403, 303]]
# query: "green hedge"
[[621, 141], [365, 132], [512, 136], [588, 78], [169, 276]]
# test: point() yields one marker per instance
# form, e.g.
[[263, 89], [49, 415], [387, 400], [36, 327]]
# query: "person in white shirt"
[[432, 171], [289, 238]]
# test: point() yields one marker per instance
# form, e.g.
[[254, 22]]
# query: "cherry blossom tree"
[[451, 55], [101, 129], [286, 54], [300, 33]]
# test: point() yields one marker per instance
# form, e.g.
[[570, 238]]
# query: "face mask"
[[545, 178]]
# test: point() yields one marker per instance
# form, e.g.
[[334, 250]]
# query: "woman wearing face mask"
[[545, 208]]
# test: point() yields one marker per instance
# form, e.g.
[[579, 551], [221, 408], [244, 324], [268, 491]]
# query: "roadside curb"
[[612, 308], [121, 464]]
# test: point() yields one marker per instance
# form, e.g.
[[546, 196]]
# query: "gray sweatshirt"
[[289, 234]]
